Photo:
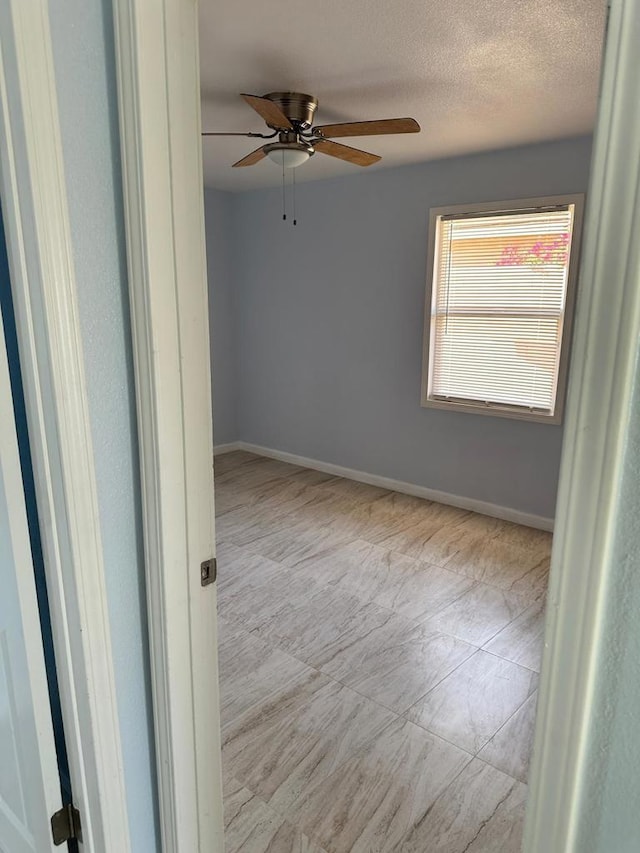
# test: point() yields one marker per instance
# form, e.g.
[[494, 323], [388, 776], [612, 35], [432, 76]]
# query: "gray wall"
[[329, 320], [83, 47], [217, 213]]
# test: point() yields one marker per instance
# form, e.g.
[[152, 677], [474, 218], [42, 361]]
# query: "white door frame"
[[159, 102], [44, 288], [599, 409]]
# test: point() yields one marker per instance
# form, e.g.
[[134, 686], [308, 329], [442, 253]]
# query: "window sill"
[[492, 411]]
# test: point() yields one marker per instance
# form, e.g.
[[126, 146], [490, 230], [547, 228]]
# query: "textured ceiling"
[[476, 74]]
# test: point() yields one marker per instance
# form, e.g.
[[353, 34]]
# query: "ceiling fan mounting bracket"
[[298, 107]]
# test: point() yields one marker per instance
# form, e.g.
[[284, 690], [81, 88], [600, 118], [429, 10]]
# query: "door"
[[29, 780]]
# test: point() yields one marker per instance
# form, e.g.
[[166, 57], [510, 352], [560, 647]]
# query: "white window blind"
[[498, 302]]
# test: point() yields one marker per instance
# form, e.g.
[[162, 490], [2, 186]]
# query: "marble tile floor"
[[379, 659]]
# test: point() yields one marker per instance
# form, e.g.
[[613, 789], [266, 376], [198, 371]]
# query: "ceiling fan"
[[289, 115]]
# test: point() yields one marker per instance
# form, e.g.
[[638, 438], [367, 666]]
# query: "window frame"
[[514, 206]]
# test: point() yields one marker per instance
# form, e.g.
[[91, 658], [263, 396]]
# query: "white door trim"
[[601, 383], [39, 244], [159, 103]]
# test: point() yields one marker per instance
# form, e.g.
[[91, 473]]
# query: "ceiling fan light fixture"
[[289, 155]]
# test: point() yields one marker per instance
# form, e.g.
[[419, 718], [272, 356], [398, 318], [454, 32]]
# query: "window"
[[499, 303]]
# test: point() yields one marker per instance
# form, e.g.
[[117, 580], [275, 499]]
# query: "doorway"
[[570, 788], [301, 548]]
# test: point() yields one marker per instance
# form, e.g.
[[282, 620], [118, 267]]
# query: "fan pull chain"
[[284, 202], [295, 221]]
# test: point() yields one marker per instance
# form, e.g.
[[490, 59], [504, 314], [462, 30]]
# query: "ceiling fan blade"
[[252, 158], [344, 152], [368, 128], [269, 111]]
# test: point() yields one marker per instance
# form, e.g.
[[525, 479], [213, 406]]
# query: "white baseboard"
[[483, 507], [229, 447]]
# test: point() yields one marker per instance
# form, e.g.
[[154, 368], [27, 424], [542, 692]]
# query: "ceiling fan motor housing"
[[298, 107]]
